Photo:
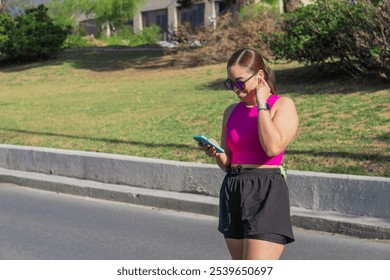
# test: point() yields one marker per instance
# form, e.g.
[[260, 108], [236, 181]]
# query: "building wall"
[[173, 14], [171, 7], [152, 5]]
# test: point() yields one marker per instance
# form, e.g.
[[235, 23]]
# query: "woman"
[[254, 201]]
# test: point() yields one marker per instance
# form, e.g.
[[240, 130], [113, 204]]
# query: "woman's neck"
[[253, 102]]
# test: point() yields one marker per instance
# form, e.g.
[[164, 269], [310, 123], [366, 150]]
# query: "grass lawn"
[[131, 103]]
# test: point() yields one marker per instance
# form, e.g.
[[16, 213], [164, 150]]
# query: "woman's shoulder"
[[284, 106], [230, 108], [228, 111], [283, 101]]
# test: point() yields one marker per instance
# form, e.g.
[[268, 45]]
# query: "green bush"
[[253, 11], [7, 27], [310, 32], [148, 35], [126, 37], [34, 36], [330, 31], [76, 41]]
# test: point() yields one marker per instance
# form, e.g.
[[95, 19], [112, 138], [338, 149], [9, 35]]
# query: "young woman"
[[254, 201]]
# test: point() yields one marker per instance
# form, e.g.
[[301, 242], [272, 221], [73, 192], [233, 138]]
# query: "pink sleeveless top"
[[242, 136]]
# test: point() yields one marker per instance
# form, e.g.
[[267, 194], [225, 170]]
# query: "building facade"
[[168, 15]]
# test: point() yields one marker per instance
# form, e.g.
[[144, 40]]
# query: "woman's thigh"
[[236, 248], [254, 249]]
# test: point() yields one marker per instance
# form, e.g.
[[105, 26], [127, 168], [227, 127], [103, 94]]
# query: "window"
[[220, 7], [156, 17], [195, 15]]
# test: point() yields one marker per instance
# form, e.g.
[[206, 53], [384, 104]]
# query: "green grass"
[[132, 103]]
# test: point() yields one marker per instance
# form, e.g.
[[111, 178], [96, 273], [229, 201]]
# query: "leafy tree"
[[16, 7], [64, 12], [110, 12]]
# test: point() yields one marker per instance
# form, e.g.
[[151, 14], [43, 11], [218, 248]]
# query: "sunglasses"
[[230, 84]]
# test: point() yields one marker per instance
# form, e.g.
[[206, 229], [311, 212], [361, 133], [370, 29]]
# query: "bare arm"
[[277, 132], [278, 126]]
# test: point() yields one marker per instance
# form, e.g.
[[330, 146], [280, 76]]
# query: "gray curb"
[[362, 227], [185, 202], [353, 205]]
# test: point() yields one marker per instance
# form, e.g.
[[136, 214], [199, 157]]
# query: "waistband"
[[241, 170]]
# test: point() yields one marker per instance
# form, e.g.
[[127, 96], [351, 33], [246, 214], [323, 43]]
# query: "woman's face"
[[243, 74]]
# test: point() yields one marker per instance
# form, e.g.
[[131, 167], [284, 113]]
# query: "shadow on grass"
[[315, 80], [98, 59], [107, 140], [358, 156]]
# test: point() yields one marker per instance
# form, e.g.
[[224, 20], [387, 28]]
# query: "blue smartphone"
[[205, 141]]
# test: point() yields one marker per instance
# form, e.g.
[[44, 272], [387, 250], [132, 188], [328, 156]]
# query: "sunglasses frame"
[[234, 83]]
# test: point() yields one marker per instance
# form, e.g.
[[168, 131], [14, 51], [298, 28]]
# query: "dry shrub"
[[374, 42], [90, 39], [232, 33]]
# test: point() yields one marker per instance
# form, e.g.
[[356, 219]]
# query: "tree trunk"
[[106, 28]]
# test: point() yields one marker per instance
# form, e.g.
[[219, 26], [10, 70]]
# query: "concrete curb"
[[353, 205], [330, 221], [185, 202]]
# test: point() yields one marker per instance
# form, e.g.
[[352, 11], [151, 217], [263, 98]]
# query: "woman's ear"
[[260, 75]]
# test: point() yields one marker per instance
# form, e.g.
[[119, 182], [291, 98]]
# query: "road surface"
[[37, 225]]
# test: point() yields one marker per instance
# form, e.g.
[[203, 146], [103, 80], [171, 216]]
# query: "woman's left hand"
[[263, 91]]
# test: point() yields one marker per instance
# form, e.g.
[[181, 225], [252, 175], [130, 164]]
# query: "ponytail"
[[270, 79]]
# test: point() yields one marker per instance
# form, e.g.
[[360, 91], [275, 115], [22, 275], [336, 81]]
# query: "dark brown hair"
[[251, 59]]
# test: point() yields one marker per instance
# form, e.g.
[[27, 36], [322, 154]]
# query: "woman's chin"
[[242, 96]]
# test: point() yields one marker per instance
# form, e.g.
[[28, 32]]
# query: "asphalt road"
[[44, 225]]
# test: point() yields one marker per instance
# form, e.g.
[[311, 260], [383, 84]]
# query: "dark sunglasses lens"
[[240, 85], [229, 85]]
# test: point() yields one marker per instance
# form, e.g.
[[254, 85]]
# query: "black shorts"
[[255, 205]]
